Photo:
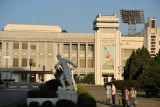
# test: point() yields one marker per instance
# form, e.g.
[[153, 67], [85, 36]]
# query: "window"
[[41, 46], [33, 62], [74, 47], [82, 47], [152, 39], [23, 77], [90, 47], [66, 47], [15, 62], [24, 45], [159, 42], [153, 36], [33, 47], [15, 45], [90, 63], [82, 63], [0, 45], [24, 62], [153, 24], [152, 45], [152, 51]]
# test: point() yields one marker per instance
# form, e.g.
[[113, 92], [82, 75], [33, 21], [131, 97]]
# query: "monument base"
[[68, 95]]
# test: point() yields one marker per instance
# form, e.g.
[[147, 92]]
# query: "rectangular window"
[[159, 42], [15, 45], [153, 42], [24, 45], [23, 77], [152, 39], [0, 45], [153, 24], [74, 47], [24, 62], [152, 51], [82, 47], [82, 63], [66, 47], [90, 47], [33, 62], [152, 45], [153, 36], [33, 47], [90, 63], [15, 62], [41, 46]]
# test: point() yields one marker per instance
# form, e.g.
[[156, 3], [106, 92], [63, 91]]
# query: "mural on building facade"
[[107, 57]]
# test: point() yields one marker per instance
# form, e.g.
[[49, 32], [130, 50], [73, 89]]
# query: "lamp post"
[[30, 64]]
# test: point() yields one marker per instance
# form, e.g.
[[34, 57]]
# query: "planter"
[[41, 100]]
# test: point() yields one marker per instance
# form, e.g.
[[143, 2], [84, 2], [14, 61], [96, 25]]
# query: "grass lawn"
[[16, 103]]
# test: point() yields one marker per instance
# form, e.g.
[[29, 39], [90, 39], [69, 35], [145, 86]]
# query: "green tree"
[[138, 62], [64, 31]]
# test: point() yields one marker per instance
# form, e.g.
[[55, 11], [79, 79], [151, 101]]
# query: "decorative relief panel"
[[50, 54], [41, 54]]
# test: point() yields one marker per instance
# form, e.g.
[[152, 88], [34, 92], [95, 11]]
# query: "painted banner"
[[107, 57]]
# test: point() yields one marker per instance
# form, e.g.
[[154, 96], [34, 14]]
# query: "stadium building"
[[103, 52]]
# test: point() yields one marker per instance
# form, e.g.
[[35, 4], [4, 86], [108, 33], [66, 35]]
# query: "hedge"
[[41, 94], [34, 104], [65, 103], [121, 83], [47, 104], [84, 98]]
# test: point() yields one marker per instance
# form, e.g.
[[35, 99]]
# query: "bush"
[[8, 80], [152, 92], [34, 104], [22, 105], [41, 94], [47, 104], [84, 98], [53, 84], [121, 83], [65, 103], [43, 87]]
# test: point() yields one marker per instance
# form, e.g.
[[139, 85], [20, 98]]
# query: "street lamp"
[[30, 64]]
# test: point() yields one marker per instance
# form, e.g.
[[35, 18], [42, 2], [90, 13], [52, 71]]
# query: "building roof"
[[32, 28]]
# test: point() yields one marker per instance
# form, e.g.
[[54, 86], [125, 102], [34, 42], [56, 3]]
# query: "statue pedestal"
[[68, 95]]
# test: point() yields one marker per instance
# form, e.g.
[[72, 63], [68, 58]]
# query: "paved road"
[[99, 94], [12, 94]]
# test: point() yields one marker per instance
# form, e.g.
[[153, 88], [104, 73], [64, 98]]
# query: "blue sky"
[[72, 15]]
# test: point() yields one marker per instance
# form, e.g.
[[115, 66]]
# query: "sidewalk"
[[99, 94]]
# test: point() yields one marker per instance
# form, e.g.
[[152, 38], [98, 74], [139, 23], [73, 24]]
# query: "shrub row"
[[121, 83], [65, 103], [9, 80], [41, 94], [84, 98], [36, 104]]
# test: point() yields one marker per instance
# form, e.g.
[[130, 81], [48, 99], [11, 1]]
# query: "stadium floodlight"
[[132, 17]]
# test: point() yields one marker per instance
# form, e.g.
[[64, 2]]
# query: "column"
[[86, 55], [78, 58], [70, 52]]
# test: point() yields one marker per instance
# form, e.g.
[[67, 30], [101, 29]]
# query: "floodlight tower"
[[132, 17]]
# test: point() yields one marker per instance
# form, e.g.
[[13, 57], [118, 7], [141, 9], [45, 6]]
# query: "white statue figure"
[[66, 71]]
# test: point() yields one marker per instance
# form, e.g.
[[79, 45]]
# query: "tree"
[[64, 31], [138, 62]]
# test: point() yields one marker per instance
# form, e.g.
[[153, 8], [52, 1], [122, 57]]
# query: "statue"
[[66, 71]]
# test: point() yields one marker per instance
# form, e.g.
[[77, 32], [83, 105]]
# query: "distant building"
[[103, 52]]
